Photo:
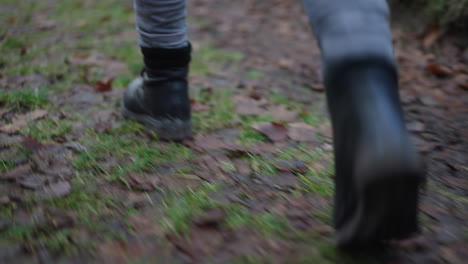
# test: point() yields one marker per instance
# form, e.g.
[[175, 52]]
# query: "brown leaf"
[[462, 81], [284, 180], [438, 70], [197, 106], [286, 63], [103, 85], [17, 172], [301, 132], [242, 167], [102, 127], [274, 131], [198, 242], [55, 190], [415, 126], [33, 182], [318, 88], [432, 35], [143, 184], [31, 144], [249, 106], [145, 225], [210, 218], [209, 143], [295, 166], [21, 121], [283, 114]]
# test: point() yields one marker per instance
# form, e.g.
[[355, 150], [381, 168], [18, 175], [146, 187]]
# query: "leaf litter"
[[433, 86]]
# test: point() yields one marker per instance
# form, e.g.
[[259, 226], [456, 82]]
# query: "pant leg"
[[350, 30], [161, 23]]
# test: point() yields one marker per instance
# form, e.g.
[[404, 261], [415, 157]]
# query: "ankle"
[[157, 59]]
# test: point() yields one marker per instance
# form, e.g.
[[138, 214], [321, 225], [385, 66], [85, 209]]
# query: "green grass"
[[250, 137], [23, 99], [209, 59], [132, 155], [445, 192], [180, 208], [254, 75], [308, 115], [87, 207], [48, 129], [6, 165], [318, 182], [221, 112]]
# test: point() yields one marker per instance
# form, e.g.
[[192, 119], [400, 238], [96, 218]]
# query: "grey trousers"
[[345, 29]]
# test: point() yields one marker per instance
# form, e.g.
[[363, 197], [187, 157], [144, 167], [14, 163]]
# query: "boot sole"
[[387, 209], [165, 129]]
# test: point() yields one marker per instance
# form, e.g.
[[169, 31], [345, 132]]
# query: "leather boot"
[[159, 97], [378, 171]]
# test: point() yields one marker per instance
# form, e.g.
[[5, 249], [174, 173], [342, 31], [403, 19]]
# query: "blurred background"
[[79, 184]]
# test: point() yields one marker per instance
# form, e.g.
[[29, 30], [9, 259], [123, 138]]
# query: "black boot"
[[378, 172], [159, 98]]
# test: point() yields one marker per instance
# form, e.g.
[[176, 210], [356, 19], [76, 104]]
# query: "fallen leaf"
[[428, 101], [102, 127], [274, 131], [31, 143], [210, 218], [4, 200], [21, 121], [145, 225], [285, 180], [199, 242], [325, 130], [197, 106], [249, 106], [242, 167], [286, 63], [32, 182], [295, 166], [17, 172], [462, 81], [317, 87], [55, 190], [302, 132], [282, 113], [143, 184], [438, 70], [465, 55], [415, 126], [103, 85], [209, 143], [431, 36]]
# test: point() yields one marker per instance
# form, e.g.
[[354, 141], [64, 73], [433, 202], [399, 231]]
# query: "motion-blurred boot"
[[378, 171], [159, 98]]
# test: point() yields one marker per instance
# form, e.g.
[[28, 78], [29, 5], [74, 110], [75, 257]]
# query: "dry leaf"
[[415, 126], [249, 106], [55, 190], [143, 184], [281, 113], [197, 106], [21, 121], [431, 37], [17, 172], [209, 143], [103, 85], [438, 70], [301, 132], [274, 131], [317, 87]]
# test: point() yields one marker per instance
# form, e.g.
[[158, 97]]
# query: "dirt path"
[[255, 185]]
